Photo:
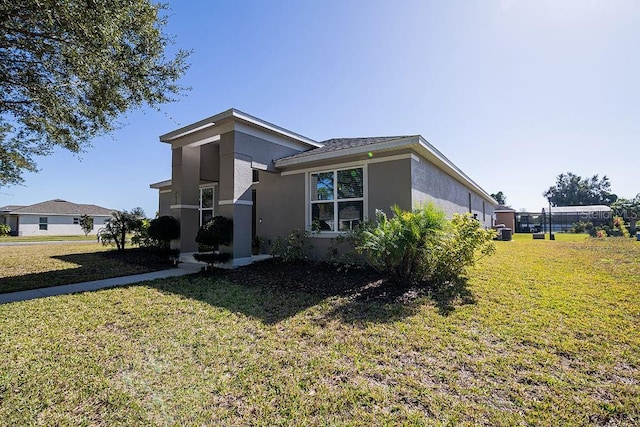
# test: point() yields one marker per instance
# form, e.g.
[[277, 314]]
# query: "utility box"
[[505, 234]]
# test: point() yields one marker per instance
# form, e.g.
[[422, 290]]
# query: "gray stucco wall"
[[431, 184], [210, 162], [280, 205], [389, 184], [164, 202], [260, 151]]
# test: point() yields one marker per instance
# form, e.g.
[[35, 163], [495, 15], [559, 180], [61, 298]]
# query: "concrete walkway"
[[95, 285]]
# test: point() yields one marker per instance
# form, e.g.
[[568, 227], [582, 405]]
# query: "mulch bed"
[[322, 279]]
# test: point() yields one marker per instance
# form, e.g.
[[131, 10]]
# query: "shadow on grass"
[[90, 266], [273, 292]]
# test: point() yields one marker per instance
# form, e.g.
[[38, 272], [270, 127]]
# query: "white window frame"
[[213, 201], [335, 201], [42, 223]]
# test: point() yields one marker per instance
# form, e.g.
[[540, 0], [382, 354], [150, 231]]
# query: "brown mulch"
[[323, 279], [317, 278]]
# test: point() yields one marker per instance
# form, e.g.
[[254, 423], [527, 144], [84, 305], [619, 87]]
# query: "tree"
[[573, 190], [500, 198], [70, 68], [164, 229], [86, 223], [119, 225]]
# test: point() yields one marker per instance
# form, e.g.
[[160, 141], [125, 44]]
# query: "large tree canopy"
[[500, 198], [573, 190], [69, 68]]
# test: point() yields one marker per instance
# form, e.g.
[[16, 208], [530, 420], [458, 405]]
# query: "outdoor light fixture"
[[551, 236]]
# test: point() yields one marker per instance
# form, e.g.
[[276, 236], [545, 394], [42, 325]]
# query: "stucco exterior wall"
[[164, 202], [431, 184], [280, 205], [57, 225], [389, 183], [261, 152]]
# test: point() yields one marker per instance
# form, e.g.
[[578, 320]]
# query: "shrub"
[[422, 246], [619, 227], [403, 244], [294, 248], [581, 227], [460, 246], [4, 229], [218, 231], [163, 230]]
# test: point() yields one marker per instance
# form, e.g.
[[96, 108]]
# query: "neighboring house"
[[53, 217], [271, 180]]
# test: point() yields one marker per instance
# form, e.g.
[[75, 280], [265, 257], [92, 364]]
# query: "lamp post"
[[544, 222], [551, 236]]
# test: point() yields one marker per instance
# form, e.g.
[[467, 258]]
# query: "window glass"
[[206, 205], [43, 223], [206, 198], [349, 215], [350, 183], [322, 216], [322, 186], [337, 199], [207, 215], [76, 220]]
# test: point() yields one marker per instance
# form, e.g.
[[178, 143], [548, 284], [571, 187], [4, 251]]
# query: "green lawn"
[[547, 334], [38, 266]]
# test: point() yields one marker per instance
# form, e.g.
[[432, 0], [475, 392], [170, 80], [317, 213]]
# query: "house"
[[271, 180], [53, 217]]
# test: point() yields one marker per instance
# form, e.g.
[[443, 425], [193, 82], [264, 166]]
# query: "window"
[[43, 223], [255, 176], [484, 212], [76, 220], [337, 199], [206, 204], [469, 202]]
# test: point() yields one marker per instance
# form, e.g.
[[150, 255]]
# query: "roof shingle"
[[61, 207], [337, 144]]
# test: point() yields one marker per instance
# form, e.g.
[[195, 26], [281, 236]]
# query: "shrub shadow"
[[272, 292]]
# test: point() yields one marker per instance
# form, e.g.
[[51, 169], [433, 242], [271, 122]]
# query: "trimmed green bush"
[[4, 230], [163, 230], [423, 246], [218, 231]]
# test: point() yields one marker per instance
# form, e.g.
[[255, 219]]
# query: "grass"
[[18, 239], [548, 334], [39, 266]]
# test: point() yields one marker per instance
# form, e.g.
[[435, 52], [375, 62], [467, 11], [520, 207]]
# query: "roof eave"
[[237, 115], [363, 149]]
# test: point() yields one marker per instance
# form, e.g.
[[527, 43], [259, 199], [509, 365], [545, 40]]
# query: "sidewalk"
[[94, 285]]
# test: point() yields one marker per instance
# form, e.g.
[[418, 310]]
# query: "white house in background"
[[52, 218]]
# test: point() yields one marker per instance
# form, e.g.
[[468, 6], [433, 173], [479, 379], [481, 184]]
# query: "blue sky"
[[513, 92]]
